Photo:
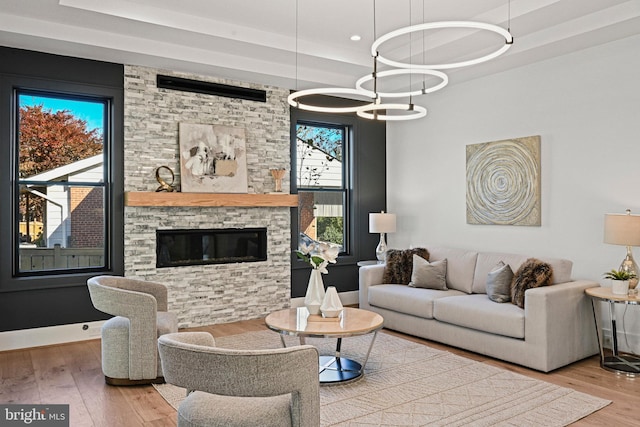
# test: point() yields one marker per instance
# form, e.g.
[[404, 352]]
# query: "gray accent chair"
[[225, 387], [129, 340]]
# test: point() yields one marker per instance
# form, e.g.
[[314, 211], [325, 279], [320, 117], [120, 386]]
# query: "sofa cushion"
[[499, 283], [429, 275], [478, 312], [405, 299], [399, 265], [461, 265], [533, 273], [488, 260]]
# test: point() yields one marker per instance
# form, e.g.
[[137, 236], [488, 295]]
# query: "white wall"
[[585, 106]]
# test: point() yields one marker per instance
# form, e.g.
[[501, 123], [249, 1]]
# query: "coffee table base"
[[338, 370]]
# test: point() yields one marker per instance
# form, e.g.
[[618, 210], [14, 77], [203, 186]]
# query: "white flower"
[[318, 254], [305, 249], [323, 267], [329, 252]]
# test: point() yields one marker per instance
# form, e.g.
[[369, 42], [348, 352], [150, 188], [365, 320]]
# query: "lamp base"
[[629, 265], [381, 249]]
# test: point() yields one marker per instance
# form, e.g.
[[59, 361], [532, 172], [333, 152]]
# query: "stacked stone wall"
[[217, 293]]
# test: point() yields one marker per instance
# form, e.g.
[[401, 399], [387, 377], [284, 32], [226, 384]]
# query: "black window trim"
[[349, 124], [345, 189], [107, 148]]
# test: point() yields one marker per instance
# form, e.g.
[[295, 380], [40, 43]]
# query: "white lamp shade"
[[382, 222], [622, 229]]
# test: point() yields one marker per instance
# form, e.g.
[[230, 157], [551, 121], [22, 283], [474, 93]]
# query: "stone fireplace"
[[205, 293]]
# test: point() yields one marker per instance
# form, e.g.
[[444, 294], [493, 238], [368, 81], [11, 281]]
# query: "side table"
[[612, 359]]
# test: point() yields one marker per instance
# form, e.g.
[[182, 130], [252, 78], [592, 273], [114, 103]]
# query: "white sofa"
[[555, 328]]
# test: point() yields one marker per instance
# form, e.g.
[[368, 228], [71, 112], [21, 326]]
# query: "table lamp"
[[624, 229], [382, 223]]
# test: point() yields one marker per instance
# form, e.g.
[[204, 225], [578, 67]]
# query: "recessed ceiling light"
[[355, 38]]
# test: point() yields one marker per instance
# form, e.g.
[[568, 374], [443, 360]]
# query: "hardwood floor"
[[70, 373]]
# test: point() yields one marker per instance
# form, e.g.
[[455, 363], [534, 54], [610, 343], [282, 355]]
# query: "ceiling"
[[263, 42]]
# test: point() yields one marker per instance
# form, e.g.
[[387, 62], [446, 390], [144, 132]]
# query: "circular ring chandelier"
[[400, 71], [417, 112], [444, 24], [292, 99]]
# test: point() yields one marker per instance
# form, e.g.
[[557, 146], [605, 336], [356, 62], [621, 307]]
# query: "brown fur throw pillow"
[[400, 265], [533, 273]]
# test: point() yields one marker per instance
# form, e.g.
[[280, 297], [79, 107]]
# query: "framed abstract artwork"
[[503, 182], [213, 159]]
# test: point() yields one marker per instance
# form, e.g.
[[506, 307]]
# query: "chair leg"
[[128, 382]]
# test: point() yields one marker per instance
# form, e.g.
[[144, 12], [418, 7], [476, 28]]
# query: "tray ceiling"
[[257, 41]]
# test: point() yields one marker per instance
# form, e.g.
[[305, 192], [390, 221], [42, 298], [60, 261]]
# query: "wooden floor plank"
[[56, 382], [108, 405], [148, 404], [83, 360], [169, 421], [17, 380]]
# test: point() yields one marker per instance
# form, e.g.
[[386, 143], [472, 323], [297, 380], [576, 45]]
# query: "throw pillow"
[[429, 275], [533, 273], [499, 283], [399, 265]]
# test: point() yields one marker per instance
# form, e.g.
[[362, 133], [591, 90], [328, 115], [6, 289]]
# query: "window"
[[60, 221], [322, 175]]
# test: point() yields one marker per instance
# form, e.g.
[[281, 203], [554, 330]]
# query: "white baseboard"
[[37, 337]]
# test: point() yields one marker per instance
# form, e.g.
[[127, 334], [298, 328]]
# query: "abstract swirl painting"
[[503, 182]]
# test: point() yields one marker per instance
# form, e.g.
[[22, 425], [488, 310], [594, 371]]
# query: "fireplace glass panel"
[[216, 246]]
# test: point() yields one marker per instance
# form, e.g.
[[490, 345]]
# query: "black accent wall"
[[49, 300], [368, 194]]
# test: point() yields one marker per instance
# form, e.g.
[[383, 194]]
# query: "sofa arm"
[[559, 318], [369, 275]]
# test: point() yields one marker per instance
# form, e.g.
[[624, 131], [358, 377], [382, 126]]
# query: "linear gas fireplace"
[[175, 248]]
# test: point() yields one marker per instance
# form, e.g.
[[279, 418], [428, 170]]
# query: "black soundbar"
[[209, 88]]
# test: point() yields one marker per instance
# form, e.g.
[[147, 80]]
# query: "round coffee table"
[[351, 322]]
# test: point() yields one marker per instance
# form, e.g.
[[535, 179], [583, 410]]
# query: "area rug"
[[410, 384]]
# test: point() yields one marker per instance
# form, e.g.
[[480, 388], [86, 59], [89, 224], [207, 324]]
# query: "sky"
[[90, 112]]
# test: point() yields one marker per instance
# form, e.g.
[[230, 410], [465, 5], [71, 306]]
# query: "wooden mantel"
[[149, 198]]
